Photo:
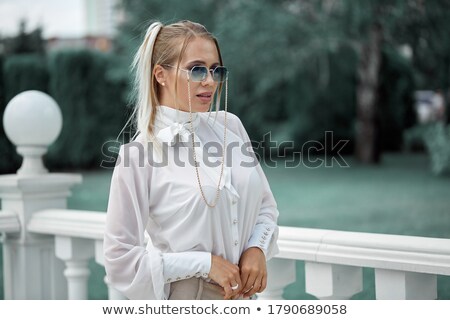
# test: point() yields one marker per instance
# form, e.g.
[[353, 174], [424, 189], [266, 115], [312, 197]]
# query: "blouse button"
[[168, 280], [236, 243], [268, 229], [266, 233], [235, 221], [264, 237]]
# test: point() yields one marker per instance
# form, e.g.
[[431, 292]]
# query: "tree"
[[301, 67], [25, 42], [374, 24]]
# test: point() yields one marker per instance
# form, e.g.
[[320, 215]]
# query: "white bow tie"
[[168, 135]]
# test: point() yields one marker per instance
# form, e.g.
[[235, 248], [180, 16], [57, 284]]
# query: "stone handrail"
[[333, 259], [405, 266], [69, 223], [393, 252], [9, 222]]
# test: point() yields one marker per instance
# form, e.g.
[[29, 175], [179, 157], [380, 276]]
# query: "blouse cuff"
[[184, 265], [261, 237]]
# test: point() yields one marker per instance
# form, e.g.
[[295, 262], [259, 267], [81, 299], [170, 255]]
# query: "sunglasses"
[[200, 73]]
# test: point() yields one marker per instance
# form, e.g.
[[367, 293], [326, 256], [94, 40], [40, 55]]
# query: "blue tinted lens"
[[198, 73], [220, 74]]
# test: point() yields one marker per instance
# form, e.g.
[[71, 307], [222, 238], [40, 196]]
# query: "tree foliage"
[[25, 42]]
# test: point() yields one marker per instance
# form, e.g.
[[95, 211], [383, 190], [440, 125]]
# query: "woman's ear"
[[160, 74]]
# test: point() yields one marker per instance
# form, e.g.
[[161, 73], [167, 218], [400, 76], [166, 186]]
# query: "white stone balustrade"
[[9, 222], [46, 247], [333, 262], [78, 237], [32, 121]]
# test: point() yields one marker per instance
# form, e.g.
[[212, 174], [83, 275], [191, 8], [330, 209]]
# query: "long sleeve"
[[265, 232], [184, 265], [131, 267]]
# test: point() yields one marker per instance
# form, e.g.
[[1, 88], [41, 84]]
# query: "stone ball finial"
[[32, 121]]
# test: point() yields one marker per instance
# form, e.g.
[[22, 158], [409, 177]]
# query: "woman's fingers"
[[228, 292], [247, 279], [227, 275], [255, 287], [253, 271], [250, 274], [263, 284]]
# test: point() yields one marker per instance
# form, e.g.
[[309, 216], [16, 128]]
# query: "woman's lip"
[[205, 96]]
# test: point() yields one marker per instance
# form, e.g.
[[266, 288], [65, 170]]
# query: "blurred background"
[[374, 73]]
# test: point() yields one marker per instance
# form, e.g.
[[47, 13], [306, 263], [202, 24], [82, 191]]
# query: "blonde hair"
[[161, 46]]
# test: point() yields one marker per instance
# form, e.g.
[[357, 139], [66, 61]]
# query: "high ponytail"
[[143, 67]]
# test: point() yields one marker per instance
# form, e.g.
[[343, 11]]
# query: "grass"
[[400, 196]]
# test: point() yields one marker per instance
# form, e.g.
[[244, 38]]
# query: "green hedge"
[[92, 106], [19, 73], [9, 160], [25, 72], [92, 101]]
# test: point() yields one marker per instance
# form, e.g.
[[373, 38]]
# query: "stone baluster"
[[403, 285], [75, 252], [32, 121], [280, 274], [331, 281]]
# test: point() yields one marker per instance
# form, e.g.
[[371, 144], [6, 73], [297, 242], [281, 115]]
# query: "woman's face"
[[199, 52]]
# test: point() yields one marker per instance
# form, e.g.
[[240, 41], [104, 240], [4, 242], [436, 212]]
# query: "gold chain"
[[223, 150]]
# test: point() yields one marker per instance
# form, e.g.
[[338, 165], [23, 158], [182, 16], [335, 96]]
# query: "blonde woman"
[[187, 180]]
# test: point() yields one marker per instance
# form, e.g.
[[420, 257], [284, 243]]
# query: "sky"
[[62, 18]]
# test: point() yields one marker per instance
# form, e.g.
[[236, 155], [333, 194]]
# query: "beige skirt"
[[195, 289]]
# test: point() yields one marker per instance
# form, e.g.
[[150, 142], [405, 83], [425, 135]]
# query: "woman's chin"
[[202, 107]]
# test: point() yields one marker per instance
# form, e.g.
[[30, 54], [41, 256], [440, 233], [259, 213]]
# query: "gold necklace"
[[223, 150]]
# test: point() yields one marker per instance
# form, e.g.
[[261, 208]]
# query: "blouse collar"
[[166, 116], [171, 122]]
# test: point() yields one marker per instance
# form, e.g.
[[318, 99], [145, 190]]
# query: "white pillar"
[[331, 281], [280, 274], [32, 121], [76, 253], [402, 285]]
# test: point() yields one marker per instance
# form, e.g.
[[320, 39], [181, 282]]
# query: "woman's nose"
[[209, 79]]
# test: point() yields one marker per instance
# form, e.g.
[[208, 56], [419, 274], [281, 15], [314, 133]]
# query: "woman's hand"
[[253, 271], [226, 275]]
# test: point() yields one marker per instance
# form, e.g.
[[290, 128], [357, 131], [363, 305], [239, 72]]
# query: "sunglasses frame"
[[211, 71]]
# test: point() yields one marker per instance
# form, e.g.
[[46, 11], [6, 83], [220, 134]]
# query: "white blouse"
[[157, 195]]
